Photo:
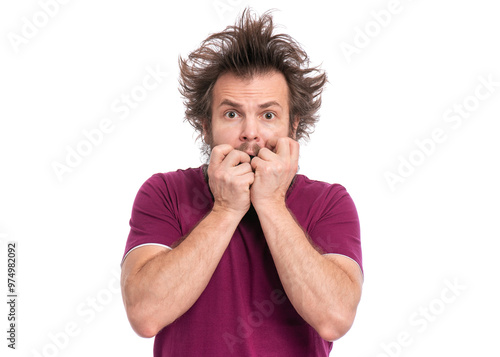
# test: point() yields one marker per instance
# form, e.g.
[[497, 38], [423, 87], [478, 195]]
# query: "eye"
[[231, 114], [269, 115]]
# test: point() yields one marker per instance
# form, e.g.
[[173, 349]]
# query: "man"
[[243, 256]]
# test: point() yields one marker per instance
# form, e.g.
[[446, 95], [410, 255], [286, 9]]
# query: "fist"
[[230, 176], [274, 168]]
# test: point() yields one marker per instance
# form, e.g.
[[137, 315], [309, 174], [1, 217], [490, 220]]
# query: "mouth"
[[251, 150]]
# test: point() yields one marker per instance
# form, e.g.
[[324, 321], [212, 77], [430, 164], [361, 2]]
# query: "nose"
[[249, 130]]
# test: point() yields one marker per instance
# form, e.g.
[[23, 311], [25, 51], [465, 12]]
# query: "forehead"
[[258, 88]]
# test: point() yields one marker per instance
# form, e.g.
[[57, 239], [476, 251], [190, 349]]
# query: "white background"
[[438, 227]]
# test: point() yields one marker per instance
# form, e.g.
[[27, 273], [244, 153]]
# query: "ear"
[[295, 125], [204, 132]]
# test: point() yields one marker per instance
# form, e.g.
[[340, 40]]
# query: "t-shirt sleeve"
[[337, 230], [153, 219]]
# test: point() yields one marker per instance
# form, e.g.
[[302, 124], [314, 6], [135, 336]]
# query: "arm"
[[159, 284], [324, 289]]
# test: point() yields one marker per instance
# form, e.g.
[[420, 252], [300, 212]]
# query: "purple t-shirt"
[[243, 311]]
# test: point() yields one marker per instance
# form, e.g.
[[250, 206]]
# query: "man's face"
[[246, 112]]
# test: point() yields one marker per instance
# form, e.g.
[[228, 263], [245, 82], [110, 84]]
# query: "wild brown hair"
[[246, 49]]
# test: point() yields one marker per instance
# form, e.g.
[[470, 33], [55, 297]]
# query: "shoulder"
[[311, 201], [174, 186], [307, 189], [181, 177]]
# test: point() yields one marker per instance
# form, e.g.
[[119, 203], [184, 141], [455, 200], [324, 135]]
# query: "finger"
[[271, 143], [294, 151], [219, 152], [236, 157], [283, 147], [244, 157], [279, 145], [265, 154], [249, 177], [257, 161], [242, 169]]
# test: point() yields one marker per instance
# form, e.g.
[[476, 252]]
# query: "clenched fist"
[[274, 167], [229, 177]]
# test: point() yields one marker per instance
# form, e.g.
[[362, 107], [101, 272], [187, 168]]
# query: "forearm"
[[321, 292], [167, 285]]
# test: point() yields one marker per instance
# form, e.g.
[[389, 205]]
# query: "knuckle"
[[282, 142], [280, 165], [216, 150], [267, 169], [219, 175], [225, 176]]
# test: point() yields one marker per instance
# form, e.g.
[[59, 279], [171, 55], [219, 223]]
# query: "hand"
[[229, 177], [274, 168]]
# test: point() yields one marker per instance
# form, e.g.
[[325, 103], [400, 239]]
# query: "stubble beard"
[[254, 149], [245, 147]]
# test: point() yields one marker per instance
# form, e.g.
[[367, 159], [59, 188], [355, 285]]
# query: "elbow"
[[331, 333], [145, 321], [142, 321], [144, 318], [334, 327], [336, 322], [144, 330], [144, 326], [141, 325]]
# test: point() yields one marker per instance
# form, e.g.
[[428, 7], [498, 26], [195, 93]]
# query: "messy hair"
[[246, 49]]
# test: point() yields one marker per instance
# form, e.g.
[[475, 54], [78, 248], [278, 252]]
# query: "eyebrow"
[[230, 103], [269, 104], [261, 106]]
